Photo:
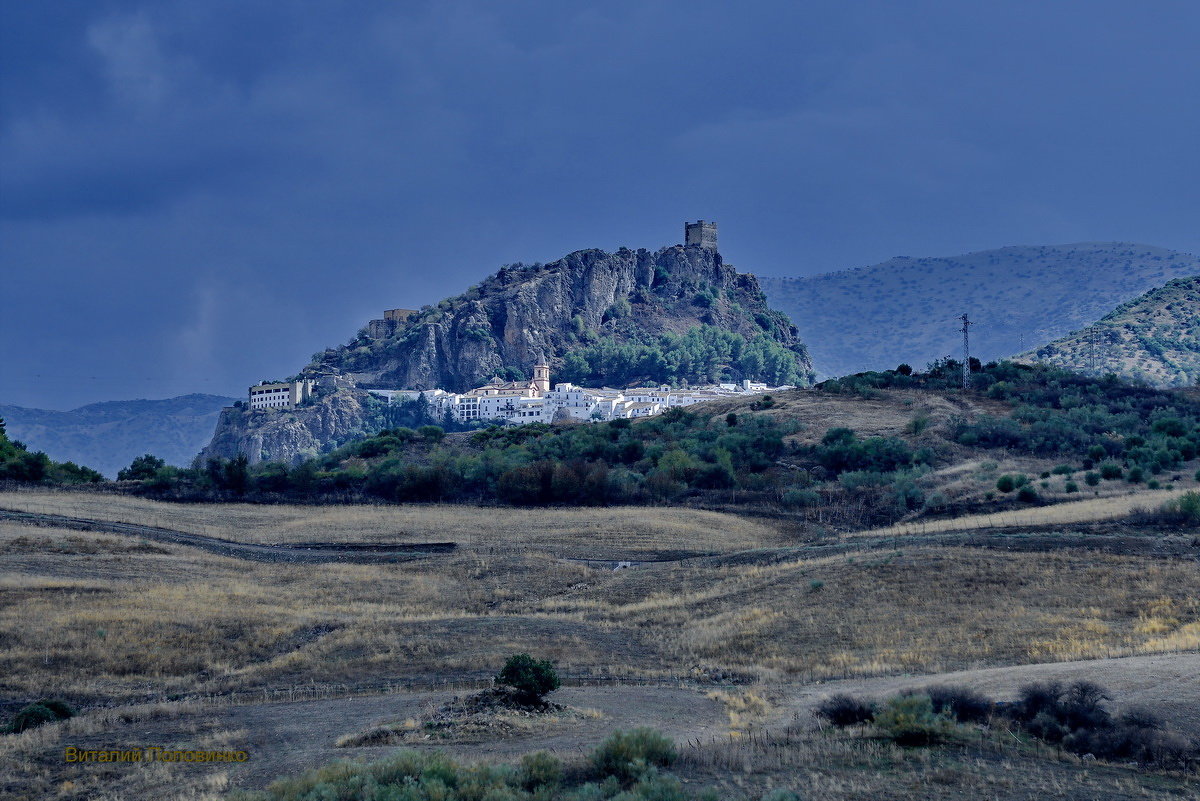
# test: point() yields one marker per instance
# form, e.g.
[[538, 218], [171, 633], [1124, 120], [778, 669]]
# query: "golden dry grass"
[[566, 531], [837, 766], [1113, 507], [31, 764], [886, 413], [85, 616], [104, 618]]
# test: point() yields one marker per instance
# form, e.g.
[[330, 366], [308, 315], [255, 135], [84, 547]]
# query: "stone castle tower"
[[700, 234], [541, 377]]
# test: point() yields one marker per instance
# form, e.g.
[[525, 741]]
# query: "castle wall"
[[700, 234]]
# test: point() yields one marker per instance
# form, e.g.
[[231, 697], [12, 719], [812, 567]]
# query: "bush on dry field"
[[630, 755], [1075, 715], [845, 710], [962, 703], [530, 678], [911, 720], [45, 711], [628, 765]]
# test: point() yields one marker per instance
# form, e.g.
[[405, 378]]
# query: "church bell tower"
[[541, 377]]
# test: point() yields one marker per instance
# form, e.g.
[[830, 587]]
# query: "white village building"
[[521, 403]]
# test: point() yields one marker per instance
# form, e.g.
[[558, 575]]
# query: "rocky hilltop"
[[906, 309], [678, 315], [588, 299], [1154, 338]]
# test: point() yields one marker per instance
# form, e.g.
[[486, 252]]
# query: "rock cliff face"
[[522, 314], [290, 436]]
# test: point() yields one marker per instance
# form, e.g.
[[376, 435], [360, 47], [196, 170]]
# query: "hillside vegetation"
[[20, 465], [108, 435], [906, 309], [866, 450], [1154, 338]]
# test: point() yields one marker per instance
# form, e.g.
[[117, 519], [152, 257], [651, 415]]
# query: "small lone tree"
[[141, 468], [530, 678]]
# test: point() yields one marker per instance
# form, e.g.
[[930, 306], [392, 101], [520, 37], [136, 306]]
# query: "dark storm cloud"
[[194, 196]]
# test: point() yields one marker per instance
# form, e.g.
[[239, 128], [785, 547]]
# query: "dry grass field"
[[1096, 509], [99, 616], [109, 620], [885, 414], [565, 532]]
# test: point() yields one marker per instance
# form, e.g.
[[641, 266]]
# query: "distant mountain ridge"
[[906, 309], [1154, 338], [107, 436]]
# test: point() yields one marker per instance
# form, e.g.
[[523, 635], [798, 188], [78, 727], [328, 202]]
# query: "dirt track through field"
[[307, 553], [963, 532]]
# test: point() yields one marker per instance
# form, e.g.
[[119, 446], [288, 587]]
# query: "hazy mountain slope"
[[906, 309], [107, 436], [1154, 338]]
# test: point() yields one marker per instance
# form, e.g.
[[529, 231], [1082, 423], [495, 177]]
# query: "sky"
[[196, 196]]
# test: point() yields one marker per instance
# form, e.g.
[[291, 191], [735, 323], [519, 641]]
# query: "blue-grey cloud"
[[197, 195]]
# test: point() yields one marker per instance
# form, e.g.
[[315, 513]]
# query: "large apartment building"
[[282, 395]]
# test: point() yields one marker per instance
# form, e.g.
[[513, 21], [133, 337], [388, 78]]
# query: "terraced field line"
[[1092, 510], [363, 553]]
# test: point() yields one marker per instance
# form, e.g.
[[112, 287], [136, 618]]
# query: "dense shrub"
[[798, 497], [1037, 698], [1075, 716], [629, 755], [30, 717], [781, 795], [141, 468], [961, 703], [842, 451], [541, 769], [634, 761], [911, 720], [1186, 506], [704, 354], [845, 710], [17, 463], [38, 713], [1183, 511], [531, 679]]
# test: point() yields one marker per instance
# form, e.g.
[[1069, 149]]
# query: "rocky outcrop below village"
[[677, 315], [291, 436]]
